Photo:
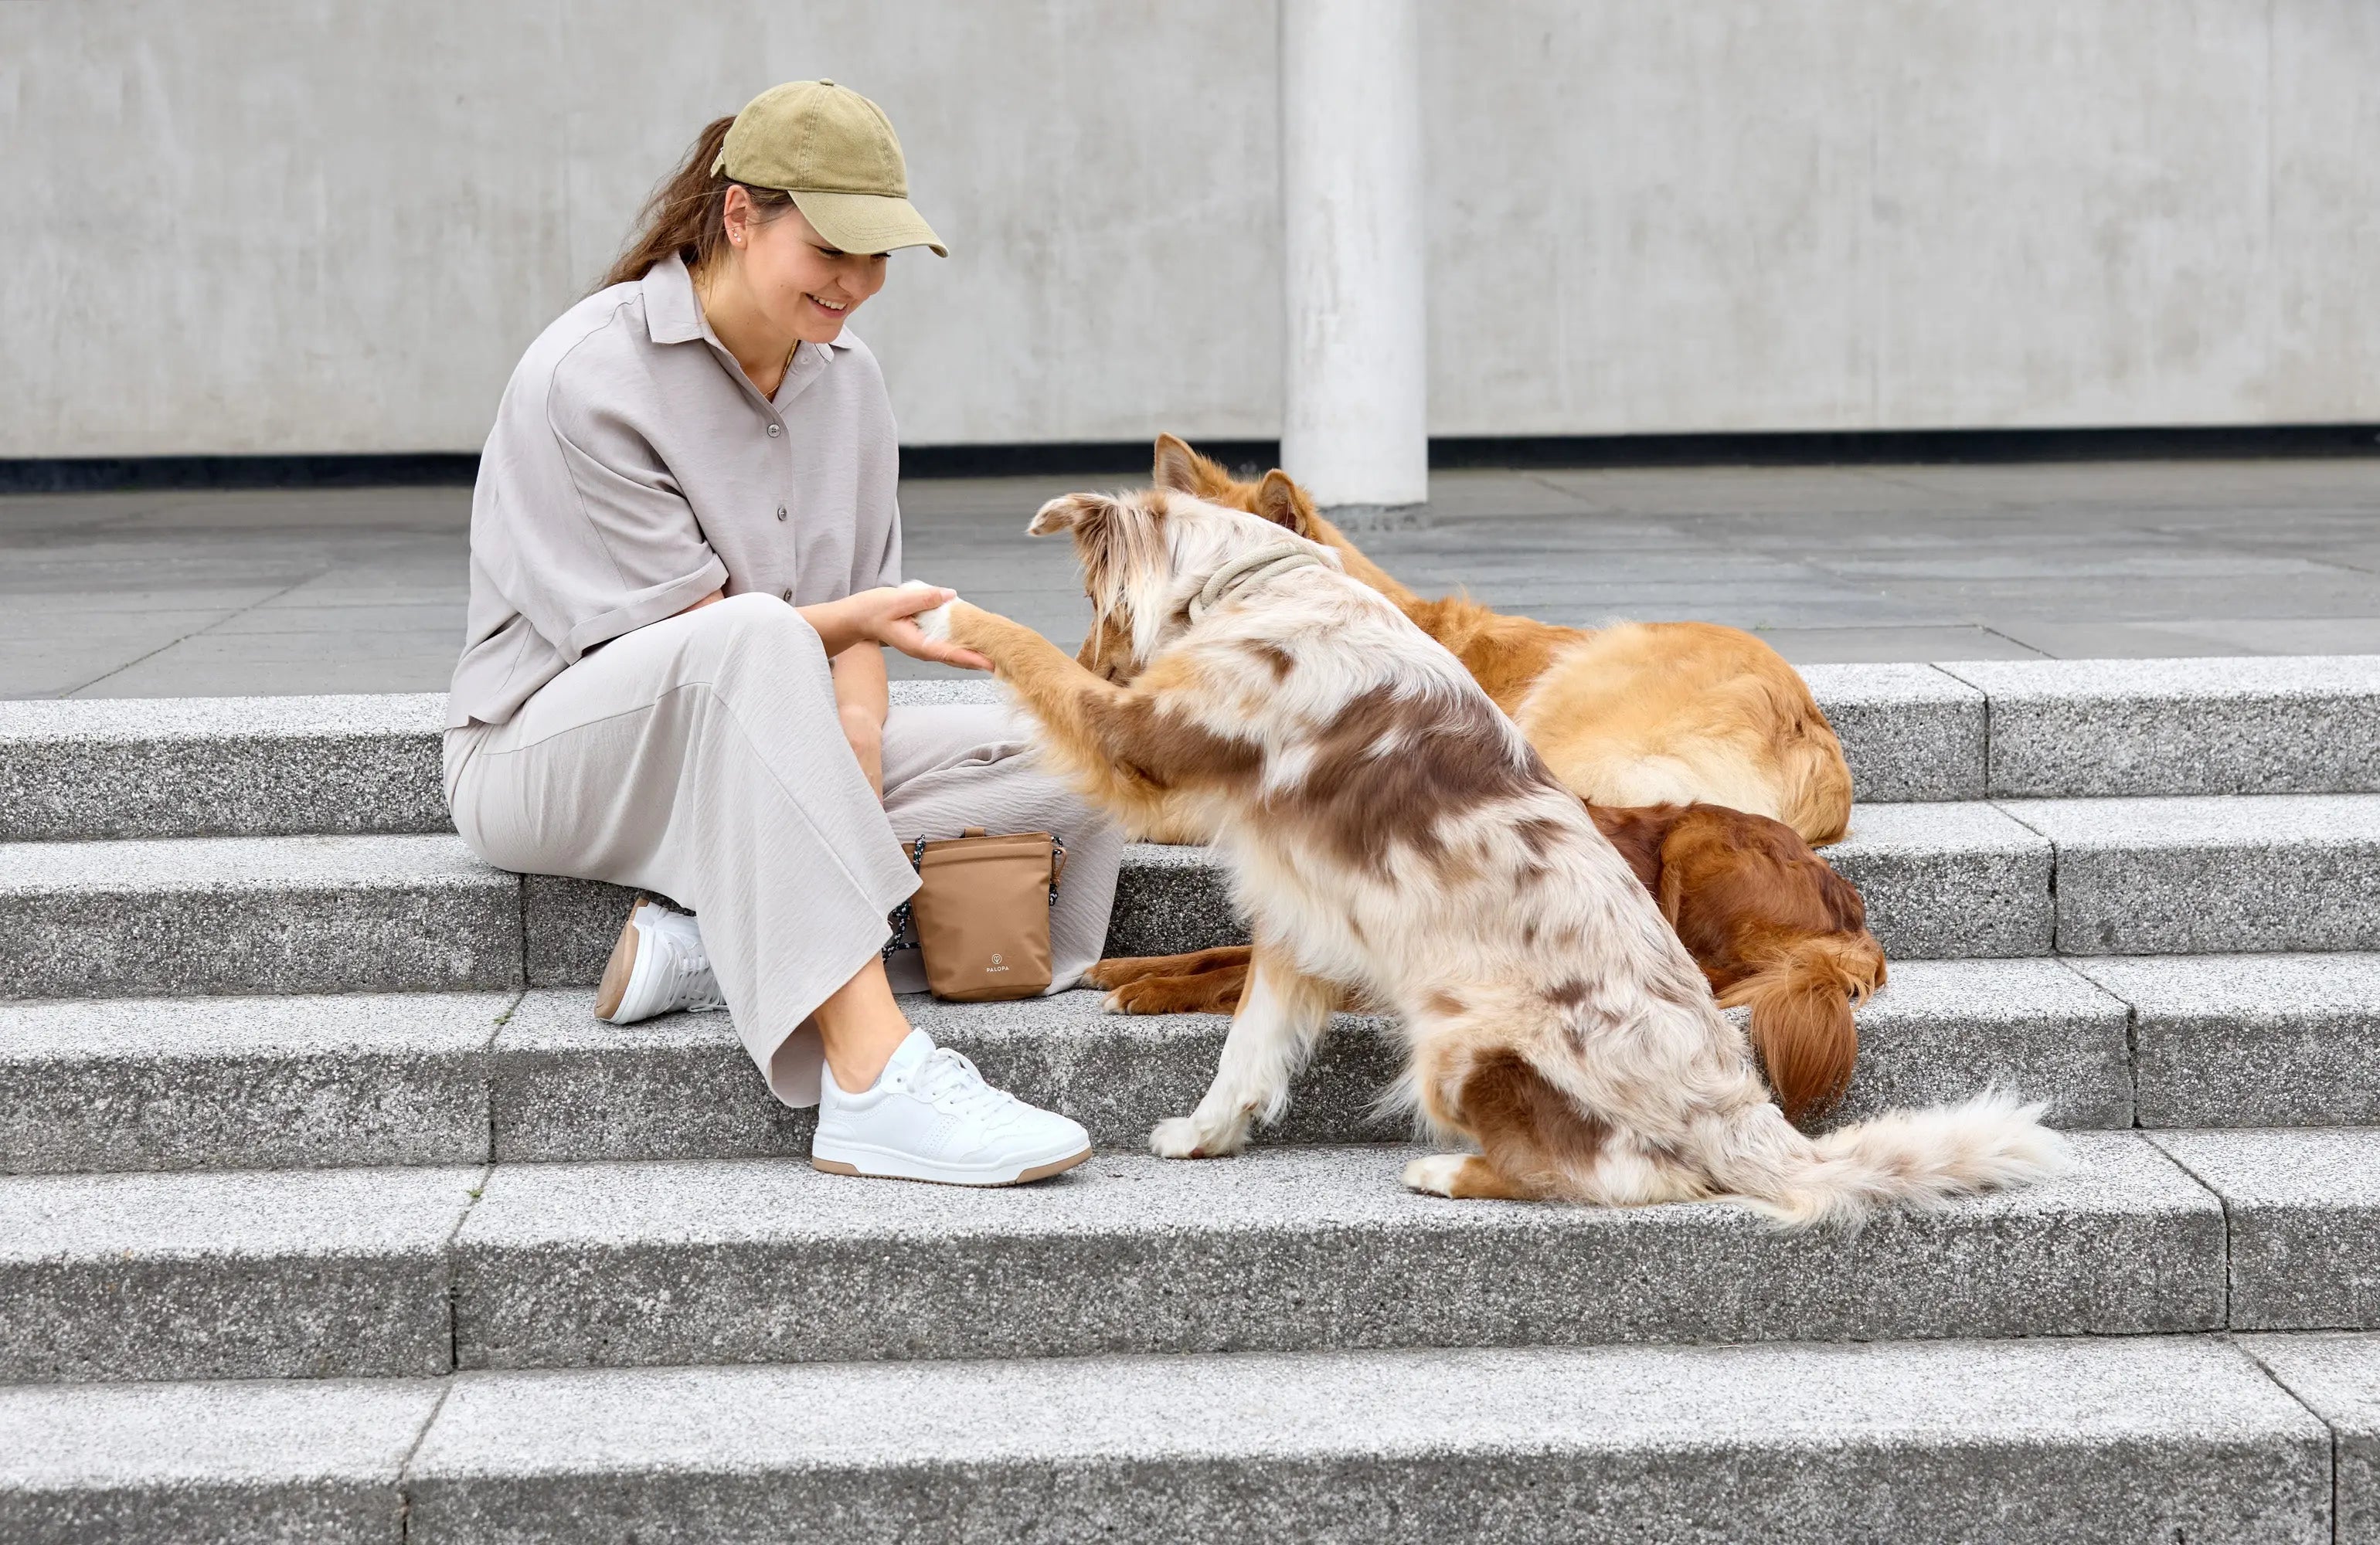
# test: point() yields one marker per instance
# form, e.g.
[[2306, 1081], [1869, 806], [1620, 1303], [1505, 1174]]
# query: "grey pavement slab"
[[277, 914], [246, 1082], [1949, 881], [2251, 1040], [2337, 1377], [236, 766], [1284, 1249], [1909, 732], [2294, 724], [1816, 645], [284, 1460], [270, 1273], [2212, 874], [2305, 1217], [2067, 1441], [1832, 564]]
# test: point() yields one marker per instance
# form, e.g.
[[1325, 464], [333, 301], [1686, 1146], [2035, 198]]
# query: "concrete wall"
[[325, 226]]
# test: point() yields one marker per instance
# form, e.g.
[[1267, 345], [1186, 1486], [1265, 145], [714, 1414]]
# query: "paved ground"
[[361, 590]]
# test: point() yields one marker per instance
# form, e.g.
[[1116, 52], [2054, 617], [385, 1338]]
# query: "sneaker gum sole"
[[618, 969], [1039, 1172]]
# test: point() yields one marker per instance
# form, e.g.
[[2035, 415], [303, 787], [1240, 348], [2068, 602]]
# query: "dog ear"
[[1177, 465], [1067, 513], [1279, 500]]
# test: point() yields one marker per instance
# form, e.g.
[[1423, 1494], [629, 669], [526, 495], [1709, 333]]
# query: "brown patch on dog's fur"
[[1282, 661], [1569, 993], [1532, 1137], [1168, 751], [1368, 801]]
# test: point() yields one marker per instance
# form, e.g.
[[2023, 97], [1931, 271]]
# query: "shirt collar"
[[674, 316]]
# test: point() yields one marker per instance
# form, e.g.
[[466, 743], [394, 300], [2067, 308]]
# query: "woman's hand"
[[887, 615]]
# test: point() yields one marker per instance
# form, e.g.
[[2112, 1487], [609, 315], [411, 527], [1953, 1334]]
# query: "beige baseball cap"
[[834, 152]]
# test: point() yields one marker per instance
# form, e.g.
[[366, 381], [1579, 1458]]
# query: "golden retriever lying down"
[[1388, 830]]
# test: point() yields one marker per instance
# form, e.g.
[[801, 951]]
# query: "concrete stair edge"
[[418, 1078], [2006, 1440], [1954, 731], [2198, 875]]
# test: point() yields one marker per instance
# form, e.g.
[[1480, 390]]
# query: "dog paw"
[[1435, 1176], [1180, 1137], [935, 623], [1138, 997]]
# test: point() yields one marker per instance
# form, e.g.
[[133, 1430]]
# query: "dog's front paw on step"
[[1180, 1137]]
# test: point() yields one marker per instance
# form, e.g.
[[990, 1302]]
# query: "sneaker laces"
[[947, 1080], [692, 986]]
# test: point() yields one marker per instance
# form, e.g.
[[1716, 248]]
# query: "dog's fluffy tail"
[[1918, 1158], [1801, 1019]]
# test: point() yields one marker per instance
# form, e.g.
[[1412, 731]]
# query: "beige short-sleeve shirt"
[[633, 469]]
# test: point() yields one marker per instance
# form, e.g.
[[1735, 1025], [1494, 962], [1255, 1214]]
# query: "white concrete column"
[[1355, 423]]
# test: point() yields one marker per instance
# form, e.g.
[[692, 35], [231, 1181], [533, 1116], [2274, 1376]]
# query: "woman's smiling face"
[[797, 277]]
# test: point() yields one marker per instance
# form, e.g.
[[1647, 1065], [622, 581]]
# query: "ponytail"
[[687, 213]]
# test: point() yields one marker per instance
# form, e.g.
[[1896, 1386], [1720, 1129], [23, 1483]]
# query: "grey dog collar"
[[1273, 558]]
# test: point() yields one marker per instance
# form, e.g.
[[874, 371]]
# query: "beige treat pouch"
[[981, 913]]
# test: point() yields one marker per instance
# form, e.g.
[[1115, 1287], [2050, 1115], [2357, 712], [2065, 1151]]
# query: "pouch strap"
[[901, 920]]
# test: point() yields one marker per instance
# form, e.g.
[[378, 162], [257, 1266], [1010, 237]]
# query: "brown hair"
[[687, 213]]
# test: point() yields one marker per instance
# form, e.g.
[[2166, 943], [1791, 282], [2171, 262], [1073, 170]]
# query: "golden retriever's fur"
[[1637, 714], [1388, 830]]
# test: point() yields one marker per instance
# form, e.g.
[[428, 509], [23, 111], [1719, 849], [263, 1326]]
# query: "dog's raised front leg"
[[1282, 1015]]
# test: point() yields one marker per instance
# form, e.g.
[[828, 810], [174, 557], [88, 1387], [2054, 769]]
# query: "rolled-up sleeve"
[[588, 535]]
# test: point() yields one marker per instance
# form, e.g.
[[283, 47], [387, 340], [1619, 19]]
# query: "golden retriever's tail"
[[1802, 1022], [1918, 1158]]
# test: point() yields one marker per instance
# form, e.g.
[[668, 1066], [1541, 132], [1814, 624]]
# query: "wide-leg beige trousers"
[[701, 757]]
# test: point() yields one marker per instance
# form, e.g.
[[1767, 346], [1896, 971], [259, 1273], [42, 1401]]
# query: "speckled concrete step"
[[2250, 1040], [262, 1274], [205, 766], [2009, 1442], [2212, 874], [254, 914], [2336, 1377], [260, 766], [379, 1078], [351, 1272], [2299, 724], [2305, 1219], [1286, 1248], [2282, 872]]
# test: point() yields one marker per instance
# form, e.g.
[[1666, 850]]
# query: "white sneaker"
[[932, 1117], [657, 966]]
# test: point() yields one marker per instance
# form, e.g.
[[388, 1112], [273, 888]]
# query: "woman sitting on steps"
[[685, 544]]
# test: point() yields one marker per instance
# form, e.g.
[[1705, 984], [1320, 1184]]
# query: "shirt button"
[[786, 596], [775, 429], [781, 512]]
